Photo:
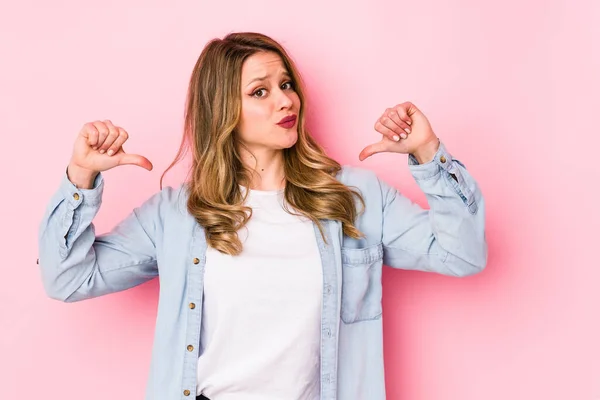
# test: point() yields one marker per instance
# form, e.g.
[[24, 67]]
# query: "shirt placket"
[[329, 310]]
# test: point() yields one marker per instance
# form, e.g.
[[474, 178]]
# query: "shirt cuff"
[[76, 196], [442, 161]]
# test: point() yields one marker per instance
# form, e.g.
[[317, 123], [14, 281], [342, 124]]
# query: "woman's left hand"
[[405, 130]]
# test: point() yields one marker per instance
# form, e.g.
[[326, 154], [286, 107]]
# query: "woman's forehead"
[[261, 66]]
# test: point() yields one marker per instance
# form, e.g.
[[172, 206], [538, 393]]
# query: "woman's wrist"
[[80, 177], [426, 151]]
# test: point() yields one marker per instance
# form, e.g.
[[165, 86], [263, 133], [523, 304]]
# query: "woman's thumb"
[[371, 149], [135, 159]]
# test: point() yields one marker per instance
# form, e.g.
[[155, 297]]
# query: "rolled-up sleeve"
[[77, 264], [449, 238]]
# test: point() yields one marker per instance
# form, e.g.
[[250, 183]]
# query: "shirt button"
[[328, 289], [76, 196], [186, 392], [328, 332], [192, 306], [190, 348], [442, 159], [196, 260]]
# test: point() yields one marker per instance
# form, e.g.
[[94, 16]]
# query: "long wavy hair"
[[213, 109]]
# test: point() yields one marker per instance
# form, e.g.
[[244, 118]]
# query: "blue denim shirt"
[[161, 239]]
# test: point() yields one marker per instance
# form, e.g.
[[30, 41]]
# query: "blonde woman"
[[270, 255]]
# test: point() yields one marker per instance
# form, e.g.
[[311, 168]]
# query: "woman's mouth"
[[288, 122]]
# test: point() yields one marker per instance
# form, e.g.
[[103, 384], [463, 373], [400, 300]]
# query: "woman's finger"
[[118, 143], [113, 134], [102, 133], [387, 132]]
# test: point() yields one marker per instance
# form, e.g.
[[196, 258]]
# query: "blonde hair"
[[213, 109]]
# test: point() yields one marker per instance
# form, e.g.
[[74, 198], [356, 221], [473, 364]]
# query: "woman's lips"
[[287, 122]]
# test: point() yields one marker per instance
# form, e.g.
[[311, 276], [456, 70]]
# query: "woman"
[[270, 255]]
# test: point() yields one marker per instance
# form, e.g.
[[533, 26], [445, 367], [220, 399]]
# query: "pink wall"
[[511, 87]]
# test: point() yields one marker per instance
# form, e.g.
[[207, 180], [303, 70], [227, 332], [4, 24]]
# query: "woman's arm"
[[449, 238], [75, 263]]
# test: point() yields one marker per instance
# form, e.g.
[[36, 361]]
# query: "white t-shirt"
[[260, 336]]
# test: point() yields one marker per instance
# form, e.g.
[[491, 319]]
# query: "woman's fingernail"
[[407, 130], [396, 138], [95, 148], [110, 152], [403, 135], [102, 151]]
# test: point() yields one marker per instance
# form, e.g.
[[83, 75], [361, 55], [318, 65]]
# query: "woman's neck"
[[266, 168]]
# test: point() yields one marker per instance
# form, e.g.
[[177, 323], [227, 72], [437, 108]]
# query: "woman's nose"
[[284, 100]]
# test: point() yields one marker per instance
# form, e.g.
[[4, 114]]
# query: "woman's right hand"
[[99, 147]]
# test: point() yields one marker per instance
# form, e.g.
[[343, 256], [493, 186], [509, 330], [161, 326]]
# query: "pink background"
[[511, 87]]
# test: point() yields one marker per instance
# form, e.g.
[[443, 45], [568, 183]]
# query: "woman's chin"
[[289, 140]]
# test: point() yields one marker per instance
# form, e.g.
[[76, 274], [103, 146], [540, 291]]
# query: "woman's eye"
[[287, 85], [259, 93]]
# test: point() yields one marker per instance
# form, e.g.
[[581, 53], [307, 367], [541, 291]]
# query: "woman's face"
[[270, 104]]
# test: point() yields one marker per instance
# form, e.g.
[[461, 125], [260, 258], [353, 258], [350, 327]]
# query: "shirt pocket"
[[361, 283]]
